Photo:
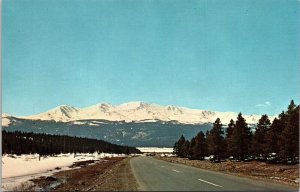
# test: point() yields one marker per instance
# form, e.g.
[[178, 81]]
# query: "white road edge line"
[[210, 183], [175, 170]]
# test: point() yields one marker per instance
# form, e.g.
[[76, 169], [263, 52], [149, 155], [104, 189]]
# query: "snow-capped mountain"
[[61, 113], [5, 120], [137, 111]]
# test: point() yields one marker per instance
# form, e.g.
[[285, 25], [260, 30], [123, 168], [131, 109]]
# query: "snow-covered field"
[[19, 169], [155, 149]]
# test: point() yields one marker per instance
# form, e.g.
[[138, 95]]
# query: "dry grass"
[[25, 186]]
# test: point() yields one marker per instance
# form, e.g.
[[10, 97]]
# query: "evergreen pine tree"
[[259, 140], [289, 139], [178, 147], [216, 140], [229, 133], [192, 147], [200, 148], [272, 136], [185, 148], [241, 138]]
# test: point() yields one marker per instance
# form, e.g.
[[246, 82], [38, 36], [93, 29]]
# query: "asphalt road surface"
[[157, 175]]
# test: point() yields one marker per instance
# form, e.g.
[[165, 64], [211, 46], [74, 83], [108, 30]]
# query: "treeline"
[[44, 144], [277, 141]]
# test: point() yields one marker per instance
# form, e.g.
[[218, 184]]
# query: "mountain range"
[[132, 112], [137, 124]]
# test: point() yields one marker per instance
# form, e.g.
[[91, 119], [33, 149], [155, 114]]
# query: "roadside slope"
[[109, 174], [119, 178]]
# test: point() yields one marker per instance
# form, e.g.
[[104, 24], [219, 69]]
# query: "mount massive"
[[136, 123], [133, 112]]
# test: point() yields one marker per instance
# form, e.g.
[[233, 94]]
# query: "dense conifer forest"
[[276, 142], [44, 144]]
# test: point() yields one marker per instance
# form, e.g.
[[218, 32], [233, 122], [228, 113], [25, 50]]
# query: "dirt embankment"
[[109, 174], [286, 174]]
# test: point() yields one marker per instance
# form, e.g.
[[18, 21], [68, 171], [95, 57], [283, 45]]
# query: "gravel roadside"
[[119, 178], [109, 174]]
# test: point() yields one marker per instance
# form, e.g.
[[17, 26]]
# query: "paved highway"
[[158, 175]]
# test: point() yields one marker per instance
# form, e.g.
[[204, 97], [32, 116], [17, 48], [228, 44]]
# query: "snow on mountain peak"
[[133, 105], [59, 113], [5, 120], [4, 115], [140, 111], [66, 108], [101, 106]]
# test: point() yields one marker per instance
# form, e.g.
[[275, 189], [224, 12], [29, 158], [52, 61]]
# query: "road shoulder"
[[110, 174]]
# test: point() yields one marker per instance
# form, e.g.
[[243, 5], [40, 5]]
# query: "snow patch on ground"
[[140, 135], [19, 169], [78, 123], [155, 149]]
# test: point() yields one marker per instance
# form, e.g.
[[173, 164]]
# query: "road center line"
[[210, 183], [175, 170]]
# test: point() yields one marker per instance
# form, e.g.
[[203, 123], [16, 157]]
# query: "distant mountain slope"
[[138, 112], [139, 134]]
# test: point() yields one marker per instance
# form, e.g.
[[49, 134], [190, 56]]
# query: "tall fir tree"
[[200, 148], [229, 138], [216, 140], [192, 146], [185, 148], [241, 137], [259, 140], [289, 139], [178, 147], [273, 135]]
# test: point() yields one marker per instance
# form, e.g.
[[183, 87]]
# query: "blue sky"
[[240, 55]]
